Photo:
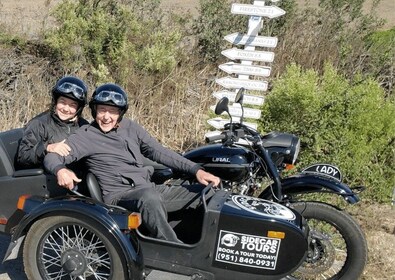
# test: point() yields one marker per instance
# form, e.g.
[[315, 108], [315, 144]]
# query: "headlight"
[[295, 149], [282, 147]]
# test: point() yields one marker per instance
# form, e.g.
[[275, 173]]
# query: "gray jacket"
[[116, 157]]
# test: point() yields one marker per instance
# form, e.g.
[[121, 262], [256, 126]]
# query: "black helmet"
[[73, 88], [109, 94]]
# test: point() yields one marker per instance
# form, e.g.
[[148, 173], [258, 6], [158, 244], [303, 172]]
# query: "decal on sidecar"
[[247, 250], [263, 207], [324, 169]]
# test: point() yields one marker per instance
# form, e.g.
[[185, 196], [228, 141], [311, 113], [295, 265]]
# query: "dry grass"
[[378, 223], [23, 89], [177, 119]]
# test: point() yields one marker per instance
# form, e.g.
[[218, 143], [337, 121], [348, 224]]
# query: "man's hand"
[[67, 178], [61, 148], [206, 178]]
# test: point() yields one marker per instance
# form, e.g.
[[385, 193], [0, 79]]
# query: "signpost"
[[248, 99], [235, 68], [242, 73], [248, 55], [219, 123], [229, 82], [255, 10], [236, 111], [256, 41]]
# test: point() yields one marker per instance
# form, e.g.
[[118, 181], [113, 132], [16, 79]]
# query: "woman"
[[46, 132]]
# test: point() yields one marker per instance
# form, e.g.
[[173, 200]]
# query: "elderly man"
[[113, 148]]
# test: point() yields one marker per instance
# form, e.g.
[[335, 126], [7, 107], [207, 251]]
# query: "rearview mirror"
[[239, 96], [222, 106]]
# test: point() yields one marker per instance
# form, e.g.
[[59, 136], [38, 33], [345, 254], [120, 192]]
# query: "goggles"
[[116, 97], [77, 91]]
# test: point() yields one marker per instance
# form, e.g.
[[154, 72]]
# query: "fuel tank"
[[227, 162]]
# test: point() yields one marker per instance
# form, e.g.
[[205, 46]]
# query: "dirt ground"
[[378, 221]]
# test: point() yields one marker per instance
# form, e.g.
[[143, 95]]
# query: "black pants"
[[153, 203]]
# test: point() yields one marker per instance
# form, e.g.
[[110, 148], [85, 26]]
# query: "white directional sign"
[[229, 82], [235, 53], [236, 111], [243, 69], [219, 123], [247, 99], [256, 41], [255, 10], [248, 112]]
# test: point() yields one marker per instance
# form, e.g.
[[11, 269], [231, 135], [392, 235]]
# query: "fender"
[[113, 218], [310, 183]]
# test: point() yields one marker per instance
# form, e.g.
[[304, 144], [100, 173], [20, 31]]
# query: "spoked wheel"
[[63, 247], [337, 245]]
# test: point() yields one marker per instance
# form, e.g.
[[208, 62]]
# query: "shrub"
[[334, 31], [347, 123], [214, 22], [380, 61], [112, 35]]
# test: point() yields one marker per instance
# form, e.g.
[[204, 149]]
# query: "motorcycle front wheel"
[[64, 247], [337, 245]]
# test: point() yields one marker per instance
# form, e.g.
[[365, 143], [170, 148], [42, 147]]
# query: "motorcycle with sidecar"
[[63, 235]]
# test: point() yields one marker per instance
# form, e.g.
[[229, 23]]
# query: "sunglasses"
[[77, 91], [116, 97]]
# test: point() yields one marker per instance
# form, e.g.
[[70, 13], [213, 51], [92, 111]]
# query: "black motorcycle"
[[231, 236], [248, 162]]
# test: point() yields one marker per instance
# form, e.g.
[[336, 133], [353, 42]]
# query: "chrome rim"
[[73, 252]]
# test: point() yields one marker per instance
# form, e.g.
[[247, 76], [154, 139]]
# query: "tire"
[[63, 247], [338, 248]]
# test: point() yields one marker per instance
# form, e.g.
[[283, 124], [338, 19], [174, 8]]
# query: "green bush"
[[348, 123], [334, 31], [381, 59], [112, 39], [215, 21]]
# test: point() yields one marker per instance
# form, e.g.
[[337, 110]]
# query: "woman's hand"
[[61, 148]]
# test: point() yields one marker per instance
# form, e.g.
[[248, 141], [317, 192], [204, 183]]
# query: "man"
[[113, 148], [46, 132]]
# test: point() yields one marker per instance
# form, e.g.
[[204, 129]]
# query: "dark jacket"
[[44, 129], [116, 157]]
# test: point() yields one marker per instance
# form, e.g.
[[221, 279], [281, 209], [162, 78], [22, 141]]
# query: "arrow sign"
[[237, 112], [243, 69], [229, 82], [235, 53], [256, 41], [247, 99], [253, 10], [219, 123]]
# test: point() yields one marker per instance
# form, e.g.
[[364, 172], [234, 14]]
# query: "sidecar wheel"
[[63, 247], [338, 248]]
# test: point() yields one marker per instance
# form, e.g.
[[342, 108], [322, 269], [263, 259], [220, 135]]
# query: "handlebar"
[[203, 197], [232, 133], [213, 138], [75, 191]]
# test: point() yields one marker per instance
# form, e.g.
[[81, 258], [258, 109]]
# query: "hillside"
[[33, 13]]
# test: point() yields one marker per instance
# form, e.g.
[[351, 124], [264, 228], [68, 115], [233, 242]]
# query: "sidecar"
[[63, 236]]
